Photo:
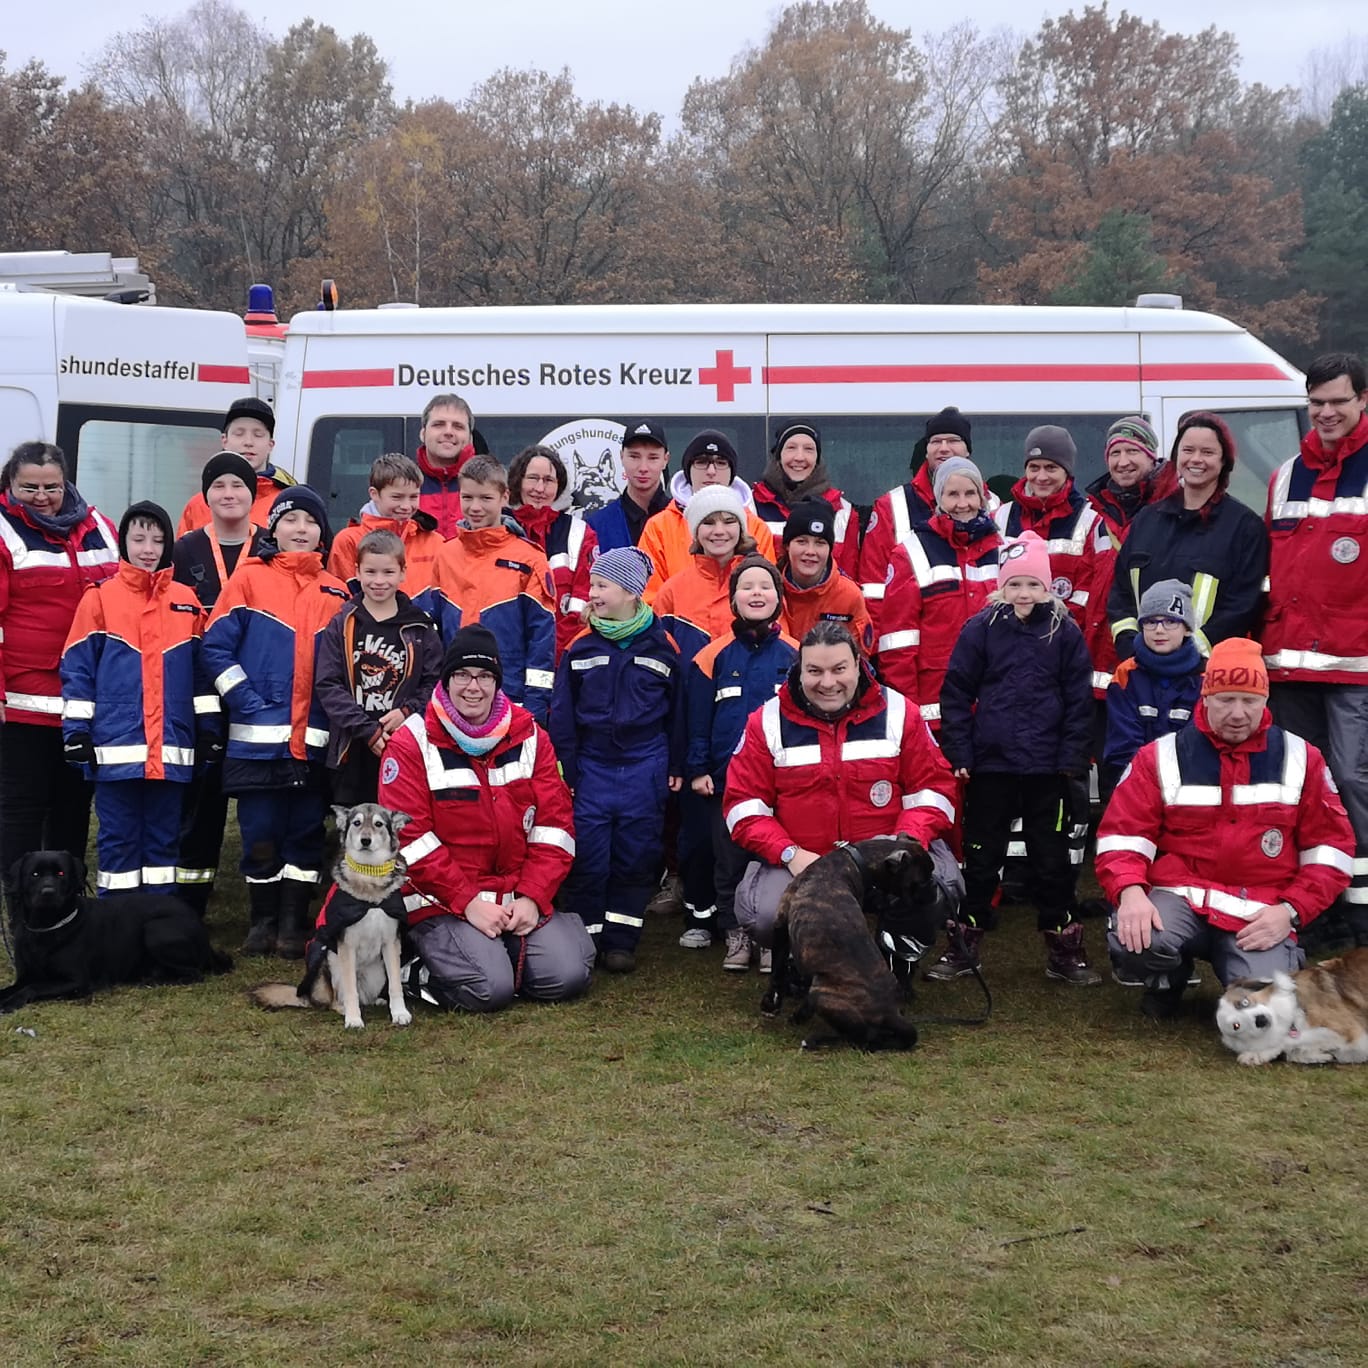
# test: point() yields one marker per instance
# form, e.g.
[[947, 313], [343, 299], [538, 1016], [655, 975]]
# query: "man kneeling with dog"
[[1221, 841], [833, 757]]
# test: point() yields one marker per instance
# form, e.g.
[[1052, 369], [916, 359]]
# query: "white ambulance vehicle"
[[355, 382], [135, 397]]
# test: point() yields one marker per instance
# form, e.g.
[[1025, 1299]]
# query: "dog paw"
[[1254, 1057], [769, 1005], [402, 1017], [353, 1023]]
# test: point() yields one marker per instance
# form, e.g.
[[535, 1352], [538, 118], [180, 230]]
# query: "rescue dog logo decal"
[[881, 793], [1272, 843], [1345, 550], [590, 448]]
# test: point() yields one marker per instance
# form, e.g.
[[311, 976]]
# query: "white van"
[[135, 397], [355, 382]]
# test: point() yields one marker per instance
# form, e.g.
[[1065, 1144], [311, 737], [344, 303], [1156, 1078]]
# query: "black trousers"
[[44, 802], [991, 801]]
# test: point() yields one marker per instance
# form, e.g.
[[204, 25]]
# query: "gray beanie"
[[703, 503], [626, 566], [1169, 598], [956, 465], [1051, 443]]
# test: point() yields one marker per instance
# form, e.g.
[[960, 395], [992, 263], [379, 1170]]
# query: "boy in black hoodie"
[[378, 661]]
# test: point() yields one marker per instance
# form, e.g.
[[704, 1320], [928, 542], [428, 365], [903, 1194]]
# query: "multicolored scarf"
[[473, 739], [620, 632]]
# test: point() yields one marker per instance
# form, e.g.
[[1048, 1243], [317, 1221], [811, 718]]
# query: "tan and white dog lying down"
[[1318, 1015], [354, 955]]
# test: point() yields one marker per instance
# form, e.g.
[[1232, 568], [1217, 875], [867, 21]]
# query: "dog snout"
[[365, 842], [1261, 1020]]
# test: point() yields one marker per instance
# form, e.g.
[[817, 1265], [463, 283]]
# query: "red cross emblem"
[[726, 375]]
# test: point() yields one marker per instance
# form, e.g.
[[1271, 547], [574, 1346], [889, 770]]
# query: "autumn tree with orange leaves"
[[1105, 118]]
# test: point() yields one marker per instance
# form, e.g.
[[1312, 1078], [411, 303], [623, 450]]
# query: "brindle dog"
[[821, 924]]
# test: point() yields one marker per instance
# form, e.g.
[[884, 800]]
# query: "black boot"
[[295, 926], [1066, 959], [961, 955], [264, 899], [1164, 993]]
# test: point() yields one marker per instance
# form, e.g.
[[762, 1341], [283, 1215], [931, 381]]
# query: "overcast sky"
[[644, 54]]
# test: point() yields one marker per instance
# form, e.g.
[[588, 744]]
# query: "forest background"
[[841, 160]]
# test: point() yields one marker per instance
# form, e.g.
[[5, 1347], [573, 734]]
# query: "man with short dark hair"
[[1315, 637], [645, 458], [832, 757], [445, 446]]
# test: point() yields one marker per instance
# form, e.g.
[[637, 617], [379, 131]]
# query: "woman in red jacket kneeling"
[[490, 841]]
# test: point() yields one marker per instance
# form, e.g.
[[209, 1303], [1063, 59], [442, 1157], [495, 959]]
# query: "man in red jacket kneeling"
[[1221, 841]]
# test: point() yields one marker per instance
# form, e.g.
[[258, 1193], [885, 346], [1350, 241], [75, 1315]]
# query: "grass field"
[[656, 1175]]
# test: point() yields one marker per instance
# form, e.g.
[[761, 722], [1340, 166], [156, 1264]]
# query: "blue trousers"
[[139, 838], [282, 833], [619, 826]]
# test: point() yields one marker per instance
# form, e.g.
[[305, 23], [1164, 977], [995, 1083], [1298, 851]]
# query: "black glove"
[[209, 749], [79, 749]]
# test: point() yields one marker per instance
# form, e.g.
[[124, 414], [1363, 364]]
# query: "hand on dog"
[[1269, 927], [489, 918], [1136, 919], [801, 861]]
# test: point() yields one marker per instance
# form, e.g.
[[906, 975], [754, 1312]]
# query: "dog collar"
[[56, 926], [856, 858], [375, 871]]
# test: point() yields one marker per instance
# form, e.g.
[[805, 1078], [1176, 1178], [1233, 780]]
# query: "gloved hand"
[[209, 749], [78, 749]]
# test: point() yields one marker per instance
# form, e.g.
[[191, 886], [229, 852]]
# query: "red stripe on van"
[[347, 379], [1215, 371], [936, 375], [982, 375], [223, 375]]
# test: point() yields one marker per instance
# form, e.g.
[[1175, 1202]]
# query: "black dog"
[[821, 924], [67, 946]]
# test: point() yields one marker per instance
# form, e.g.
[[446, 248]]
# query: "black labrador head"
[[46, 885]]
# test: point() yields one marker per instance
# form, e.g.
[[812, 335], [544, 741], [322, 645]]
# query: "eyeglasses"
[[462, 679], [539, 479], [39, 489], [710, 462]]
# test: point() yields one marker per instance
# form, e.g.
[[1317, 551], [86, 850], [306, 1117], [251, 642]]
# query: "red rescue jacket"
[[499, 823], [797, 780], [1228, 828]]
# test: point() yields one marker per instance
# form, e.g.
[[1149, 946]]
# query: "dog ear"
[[398, 821], [341, 813], [1283, 982]]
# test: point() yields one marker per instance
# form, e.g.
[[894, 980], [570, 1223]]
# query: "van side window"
[[1264, 439], [120, 455], [341, 451]]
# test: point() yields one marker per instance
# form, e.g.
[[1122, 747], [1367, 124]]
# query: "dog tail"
[[273, 996]]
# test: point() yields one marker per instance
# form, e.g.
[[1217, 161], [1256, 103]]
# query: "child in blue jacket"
[[617, 726], [1154, 692], [726, 681], [1016, 721], [135, 703]]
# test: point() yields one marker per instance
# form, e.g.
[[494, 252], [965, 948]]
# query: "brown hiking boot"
[[1067, 960]]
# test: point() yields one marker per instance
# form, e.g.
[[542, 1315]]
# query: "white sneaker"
[[738, 950], [696, 938], [766, 960]]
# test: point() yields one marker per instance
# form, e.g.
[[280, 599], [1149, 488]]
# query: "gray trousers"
[[469, 970], [1334, 719], [1187, 937], [762, 885]]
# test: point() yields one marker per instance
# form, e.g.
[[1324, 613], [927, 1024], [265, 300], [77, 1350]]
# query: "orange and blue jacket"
[[421, 539], [666, 537], [132, 679], [270, 481], [494, 576], [695, 605], [259, 650], [835, 598]]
